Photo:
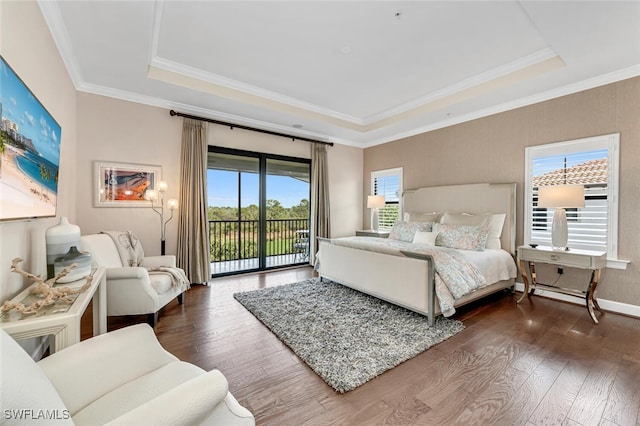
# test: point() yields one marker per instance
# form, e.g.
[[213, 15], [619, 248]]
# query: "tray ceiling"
[[358, 73]]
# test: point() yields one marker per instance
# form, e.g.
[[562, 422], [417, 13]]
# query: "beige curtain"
[[320, 217], [193, 231]]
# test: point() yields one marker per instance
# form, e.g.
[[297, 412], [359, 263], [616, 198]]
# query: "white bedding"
[[494, 264]]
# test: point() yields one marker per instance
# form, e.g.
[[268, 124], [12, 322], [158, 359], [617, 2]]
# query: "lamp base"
[[374, 219], [559, 230]]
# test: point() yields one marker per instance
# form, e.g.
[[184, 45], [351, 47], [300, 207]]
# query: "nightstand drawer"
[[577, 259]]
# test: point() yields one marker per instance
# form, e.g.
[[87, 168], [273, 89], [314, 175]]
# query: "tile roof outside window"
[[587, 173]]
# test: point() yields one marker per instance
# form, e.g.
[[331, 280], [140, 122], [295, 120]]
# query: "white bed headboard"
[[474, 198]]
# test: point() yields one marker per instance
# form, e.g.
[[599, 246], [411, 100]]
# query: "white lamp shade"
[[150, 194], [375, 201], [561, 196]]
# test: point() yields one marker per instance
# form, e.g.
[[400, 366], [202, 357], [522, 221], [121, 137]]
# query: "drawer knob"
[[554, 257]]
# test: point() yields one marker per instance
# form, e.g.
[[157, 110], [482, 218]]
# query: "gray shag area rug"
[[345, 336]]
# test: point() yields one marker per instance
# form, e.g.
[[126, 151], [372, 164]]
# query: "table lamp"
[[560, 197], [374, 202]]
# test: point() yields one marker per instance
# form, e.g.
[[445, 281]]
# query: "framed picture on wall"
[[124, 184]]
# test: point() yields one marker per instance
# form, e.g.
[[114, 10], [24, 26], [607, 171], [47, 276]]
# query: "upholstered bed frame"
[[409, 280]]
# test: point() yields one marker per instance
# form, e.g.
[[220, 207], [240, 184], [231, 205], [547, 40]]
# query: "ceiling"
[[356, 73]]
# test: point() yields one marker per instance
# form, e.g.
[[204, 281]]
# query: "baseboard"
[[607, 305]]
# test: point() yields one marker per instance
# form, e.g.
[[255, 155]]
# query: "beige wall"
[[491, 149], [28, 48], [112, 130]]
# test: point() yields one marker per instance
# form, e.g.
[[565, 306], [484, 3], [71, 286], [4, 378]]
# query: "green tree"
[[275, 210], [250, 212], [301, 211]]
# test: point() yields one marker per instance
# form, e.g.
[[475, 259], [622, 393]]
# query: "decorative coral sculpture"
[[50, 295]]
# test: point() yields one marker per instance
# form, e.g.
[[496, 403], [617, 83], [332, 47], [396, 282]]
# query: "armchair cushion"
[[167, 260], [83, 372]]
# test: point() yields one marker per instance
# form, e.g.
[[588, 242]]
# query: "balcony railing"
[[233, 242]]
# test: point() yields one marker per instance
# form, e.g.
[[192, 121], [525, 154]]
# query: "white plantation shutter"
[[389, 184], [591, 162]]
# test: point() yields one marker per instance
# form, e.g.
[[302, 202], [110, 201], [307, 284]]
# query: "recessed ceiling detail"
[[503, 76], [351, 72]]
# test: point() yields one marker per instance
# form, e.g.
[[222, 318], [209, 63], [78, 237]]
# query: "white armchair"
[[124, 377], [132, 290]]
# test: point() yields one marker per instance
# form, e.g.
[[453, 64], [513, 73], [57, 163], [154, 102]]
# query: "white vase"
[[59, 240]]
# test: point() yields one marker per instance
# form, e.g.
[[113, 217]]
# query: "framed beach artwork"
[[29, 151], [124, 184]]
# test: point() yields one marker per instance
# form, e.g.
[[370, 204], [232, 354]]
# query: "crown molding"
[[476, 80], [95, 89], [218, 80], [58, 31], [602, 80]]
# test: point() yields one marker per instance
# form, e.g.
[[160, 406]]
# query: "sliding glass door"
[[258, 210]]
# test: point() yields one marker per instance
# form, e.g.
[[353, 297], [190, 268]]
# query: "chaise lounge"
[[124, 377]]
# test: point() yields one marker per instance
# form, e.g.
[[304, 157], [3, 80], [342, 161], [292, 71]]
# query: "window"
[[592, 162], [388, 183]]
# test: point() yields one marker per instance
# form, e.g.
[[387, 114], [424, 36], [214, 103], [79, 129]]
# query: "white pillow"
[[450, 218], [495, 230], [422, 217], [425, 237]]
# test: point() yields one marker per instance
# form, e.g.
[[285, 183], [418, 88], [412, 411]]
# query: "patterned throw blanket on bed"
[[455, 275], [131, 254]]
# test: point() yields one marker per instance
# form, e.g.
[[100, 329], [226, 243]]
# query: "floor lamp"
[[172, 204], [374, 202], [560, 197]]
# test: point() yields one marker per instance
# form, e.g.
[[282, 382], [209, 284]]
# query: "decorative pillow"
[[495, 222], [462, 237], [405, 231], [422, 217], [424, 237]]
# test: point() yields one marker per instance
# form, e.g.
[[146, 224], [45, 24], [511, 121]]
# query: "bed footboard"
[[404, 281]]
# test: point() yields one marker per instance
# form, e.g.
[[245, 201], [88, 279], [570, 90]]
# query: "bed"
[[405, 273]]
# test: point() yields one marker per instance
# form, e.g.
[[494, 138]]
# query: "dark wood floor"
[[541, 362]]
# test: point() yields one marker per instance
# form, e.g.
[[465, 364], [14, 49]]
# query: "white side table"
[[582, 259], [372, 233], [63, 324]]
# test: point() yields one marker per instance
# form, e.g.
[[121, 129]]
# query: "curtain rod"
[[253, 129]]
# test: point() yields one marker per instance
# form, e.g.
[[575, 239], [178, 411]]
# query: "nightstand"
[[575, 258], [372, 233]]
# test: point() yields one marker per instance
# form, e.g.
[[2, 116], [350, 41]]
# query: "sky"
[[544, 165], [34, 122], [222, 189]]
